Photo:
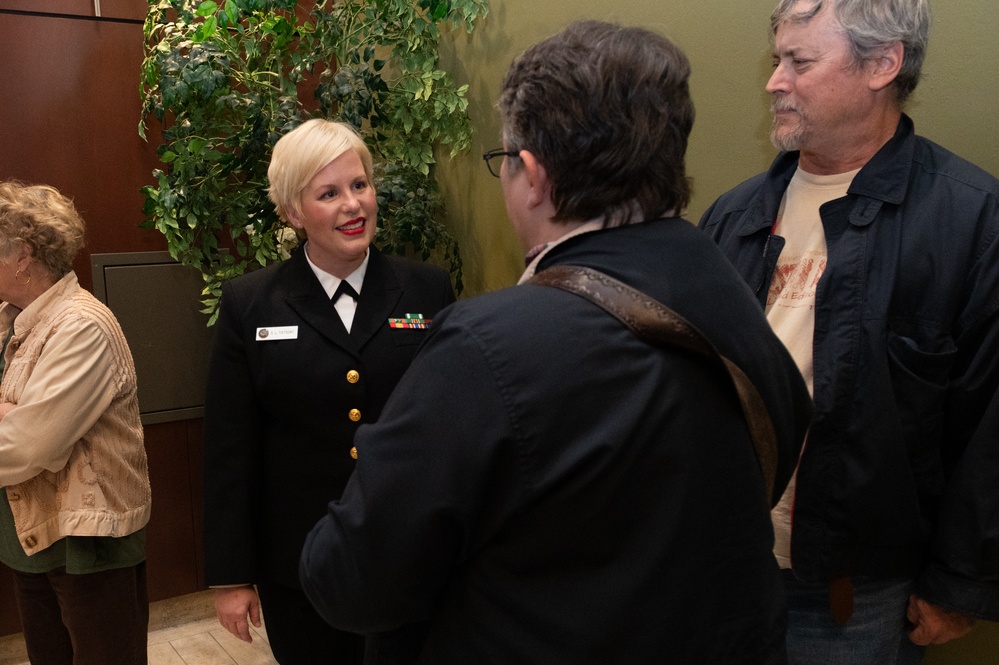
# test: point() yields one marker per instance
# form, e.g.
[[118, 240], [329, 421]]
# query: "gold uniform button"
[[353, 376], [353, 452], [354, 415]]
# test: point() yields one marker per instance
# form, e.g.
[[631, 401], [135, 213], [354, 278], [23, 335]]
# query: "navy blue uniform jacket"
[[278, 430]]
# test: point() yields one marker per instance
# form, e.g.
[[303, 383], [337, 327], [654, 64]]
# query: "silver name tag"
[[277, 333]]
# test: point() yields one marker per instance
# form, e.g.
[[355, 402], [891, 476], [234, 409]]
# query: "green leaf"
[[206, 8]]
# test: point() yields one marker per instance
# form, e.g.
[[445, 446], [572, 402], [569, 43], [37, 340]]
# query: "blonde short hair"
[[305, 151], [43, 220]]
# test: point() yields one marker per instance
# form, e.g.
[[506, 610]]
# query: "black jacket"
[[277, 427], [544, 487], [901, 470]]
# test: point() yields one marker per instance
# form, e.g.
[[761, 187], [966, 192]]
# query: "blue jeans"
[[875, 634]]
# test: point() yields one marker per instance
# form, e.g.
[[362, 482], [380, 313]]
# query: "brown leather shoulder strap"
[[656, 324]]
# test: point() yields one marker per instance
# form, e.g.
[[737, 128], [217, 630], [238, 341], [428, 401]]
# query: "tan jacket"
[[71, 452]]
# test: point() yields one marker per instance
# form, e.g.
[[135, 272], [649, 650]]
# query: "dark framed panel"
[[157, 301]]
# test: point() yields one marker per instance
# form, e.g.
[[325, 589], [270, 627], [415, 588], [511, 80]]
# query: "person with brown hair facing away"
[[544, 486]]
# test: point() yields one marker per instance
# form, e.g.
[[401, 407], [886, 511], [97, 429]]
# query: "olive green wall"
[[957, 105]]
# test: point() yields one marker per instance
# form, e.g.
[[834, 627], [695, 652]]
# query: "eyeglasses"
[[498, 152]]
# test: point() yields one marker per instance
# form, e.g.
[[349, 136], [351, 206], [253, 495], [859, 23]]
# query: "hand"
[[932, 624], [232, 605]]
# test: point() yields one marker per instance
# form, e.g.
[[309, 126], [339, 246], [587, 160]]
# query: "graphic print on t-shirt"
[[796, 279]]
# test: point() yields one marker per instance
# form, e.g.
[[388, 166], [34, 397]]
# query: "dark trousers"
[[93, 619], [299, 636]]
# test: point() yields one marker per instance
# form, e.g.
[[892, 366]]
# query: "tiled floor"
[[182, 631]]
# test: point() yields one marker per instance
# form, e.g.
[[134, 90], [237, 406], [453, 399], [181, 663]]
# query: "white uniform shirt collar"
[[345, 307], [331, 282]]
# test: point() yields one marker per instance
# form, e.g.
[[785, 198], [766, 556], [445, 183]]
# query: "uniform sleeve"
[[70, 386], [413, 509], [231, 449]]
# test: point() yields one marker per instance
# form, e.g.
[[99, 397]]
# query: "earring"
[[25, 282]]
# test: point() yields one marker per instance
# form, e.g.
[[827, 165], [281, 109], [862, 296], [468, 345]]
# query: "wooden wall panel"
[[69, 112], [172, 536], [115, 9], [195, 455]]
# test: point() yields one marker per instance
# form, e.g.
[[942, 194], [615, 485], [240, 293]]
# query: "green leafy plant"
[[225, 80]]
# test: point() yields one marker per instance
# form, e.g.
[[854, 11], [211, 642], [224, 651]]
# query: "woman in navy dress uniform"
[[305, 352]]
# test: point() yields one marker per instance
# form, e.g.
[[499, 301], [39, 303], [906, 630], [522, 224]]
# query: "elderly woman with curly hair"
[[72, 460]]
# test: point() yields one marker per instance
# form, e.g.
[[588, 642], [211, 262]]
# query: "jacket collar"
[[26, 319], [884, 178], [763, 207], [380, 292]]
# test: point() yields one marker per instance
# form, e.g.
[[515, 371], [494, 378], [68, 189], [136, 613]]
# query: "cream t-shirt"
[[791, 298]]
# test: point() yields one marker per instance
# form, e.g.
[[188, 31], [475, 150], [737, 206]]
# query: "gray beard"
[[787, 141]]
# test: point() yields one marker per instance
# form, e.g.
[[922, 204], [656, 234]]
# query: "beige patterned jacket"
[[72, 457]]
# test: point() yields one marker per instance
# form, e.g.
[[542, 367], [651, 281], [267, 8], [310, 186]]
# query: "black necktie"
[[344, 288]]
